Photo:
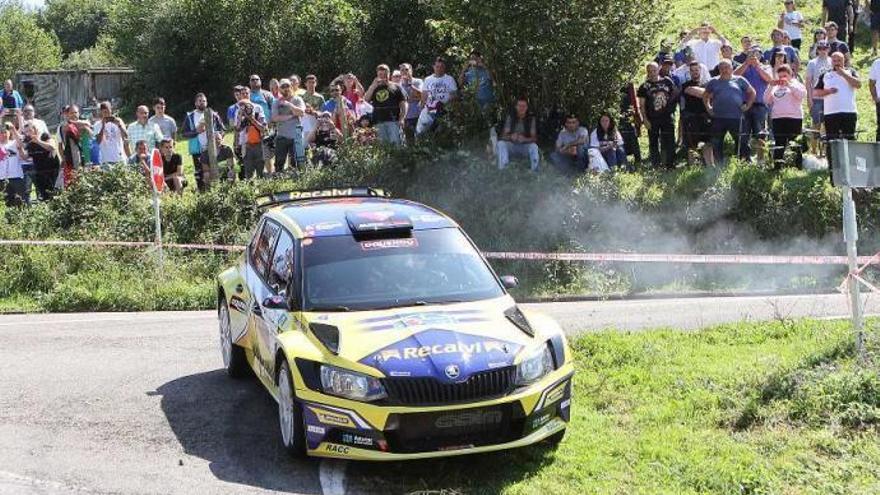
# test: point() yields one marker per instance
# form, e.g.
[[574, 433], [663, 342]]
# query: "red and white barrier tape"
[[728, 259]]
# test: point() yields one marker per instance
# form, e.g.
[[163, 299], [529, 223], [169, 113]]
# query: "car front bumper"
[[351, 430]]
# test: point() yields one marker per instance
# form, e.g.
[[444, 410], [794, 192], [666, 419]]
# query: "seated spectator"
[[519, 137], [570, 154], [696, 123], [324, 138], [608, 141], [364, 132], [140, 157], [172, 166], [785, 96]]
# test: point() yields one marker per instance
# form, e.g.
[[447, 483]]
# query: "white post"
[[158, 230], [850, 236]]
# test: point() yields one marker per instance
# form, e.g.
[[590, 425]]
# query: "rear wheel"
[[234, 361], [290, 417]]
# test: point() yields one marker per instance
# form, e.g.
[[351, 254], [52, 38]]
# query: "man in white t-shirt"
[[438, 90], [111, 135], [873, 77], [838, 88], [707, 51]]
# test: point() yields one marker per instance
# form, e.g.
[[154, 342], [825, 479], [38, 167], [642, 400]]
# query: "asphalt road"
[[135, 402]]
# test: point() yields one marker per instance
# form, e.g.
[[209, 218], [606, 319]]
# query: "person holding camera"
[[389, 106], [40, 149], [112, 136], [475, 74], [287, 111], [325, 137], [250, 124]]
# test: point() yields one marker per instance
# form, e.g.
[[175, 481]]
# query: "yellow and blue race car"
[[383, 333]]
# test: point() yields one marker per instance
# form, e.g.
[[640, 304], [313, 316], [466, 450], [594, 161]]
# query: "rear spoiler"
[[278, 198]]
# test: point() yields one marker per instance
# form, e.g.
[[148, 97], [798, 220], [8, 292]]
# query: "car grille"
[[431, 431], [429, 391]]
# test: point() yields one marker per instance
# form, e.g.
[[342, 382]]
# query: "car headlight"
[[351, 385], [535, 366]]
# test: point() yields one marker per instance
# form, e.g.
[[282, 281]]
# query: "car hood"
[[449, 342]]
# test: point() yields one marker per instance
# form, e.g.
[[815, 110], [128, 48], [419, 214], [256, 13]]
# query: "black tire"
[[235, 362], [291, 428]]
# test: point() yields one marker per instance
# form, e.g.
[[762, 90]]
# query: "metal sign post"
[[854, 165]]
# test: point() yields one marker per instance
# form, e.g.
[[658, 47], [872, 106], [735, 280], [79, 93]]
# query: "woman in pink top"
[[785, 96]]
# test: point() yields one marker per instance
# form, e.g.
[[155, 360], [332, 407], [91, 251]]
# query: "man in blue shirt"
[[475, 73], [12, 102], [727, 98], [260, 96], [759, 76]]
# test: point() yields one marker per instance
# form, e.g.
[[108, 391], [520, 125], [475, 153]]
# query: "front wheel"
[[290, 417], [234, 360]]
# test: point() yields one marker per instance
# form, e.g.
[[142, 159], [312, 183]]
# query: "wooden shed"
[[49, 91]]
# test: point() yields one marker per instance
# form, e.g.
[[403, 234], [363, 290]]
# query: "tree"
[[24, 45], [100, 55], [570, 55], [77, 23]]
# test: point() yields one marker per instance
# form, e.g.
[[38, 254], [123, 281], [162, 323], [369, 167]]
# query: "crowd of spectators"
[[697, 91]]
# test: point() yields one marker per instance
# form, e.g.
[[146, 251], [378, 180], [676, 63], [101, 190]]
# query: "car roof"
[[328, 217]]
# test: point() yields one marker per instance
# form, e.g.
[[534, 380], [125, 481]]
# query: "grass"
[[743, 408]]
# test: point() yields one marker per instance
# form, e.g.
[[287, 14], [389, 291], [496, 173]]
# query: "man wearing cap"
[[286, 113], [759, 76], [815, 68], [389, 106], [706, 51], [658, 99], [727, 98]]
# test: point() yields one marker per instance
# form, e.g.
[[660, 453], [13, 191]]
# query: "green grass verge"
[[776, 407]]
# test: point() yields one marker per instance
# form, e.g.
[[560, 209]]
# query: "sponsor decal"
[[411, 242], [353, 439], [468, 419], [442, 354], [324, 193], [320, 430], [336, 448], [320, 227], [540, 421], [332, 418], [427, 218]]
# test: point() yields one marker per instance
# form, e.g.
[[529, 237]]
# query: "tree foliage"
[[24, 45], [571, 55], [77, 23]]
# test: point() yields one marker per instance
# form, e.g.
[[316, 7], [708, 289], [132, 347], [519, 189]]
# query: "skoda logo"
[[452, 371]]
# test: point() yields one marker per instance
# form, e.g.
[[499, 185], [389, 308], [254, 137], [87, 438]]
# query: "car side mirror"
[[276, 302], [509, 281]]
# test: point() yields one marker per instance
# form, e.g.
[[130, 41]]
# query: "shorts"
[[817, 109], [697, 129]]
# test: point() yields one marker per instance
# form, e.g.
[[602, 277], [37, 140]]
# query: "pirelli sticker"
[[410, 242], [332, 418]]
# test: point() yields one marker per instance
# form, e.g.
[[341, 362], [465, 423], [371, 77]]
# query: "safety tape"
[[728, 259]]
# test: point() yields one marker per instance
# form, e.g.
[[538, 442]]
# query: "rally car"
[[383, 333]]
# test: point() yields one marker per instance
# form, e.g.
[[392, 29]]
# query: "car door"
[[271, 322], [258, 268], [240, 299]]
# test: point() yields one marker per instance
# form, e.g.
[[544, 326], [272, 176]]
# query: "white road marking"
[[332, 476]]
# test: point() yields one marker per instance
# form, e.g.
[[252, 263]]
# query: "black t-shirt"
[[875, 6], [692, 104], [44, 161], [172, 165], [658, 95], [386, 102]]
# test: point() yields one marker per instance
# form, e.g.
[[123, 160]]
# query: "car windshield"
[[439, 266]]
